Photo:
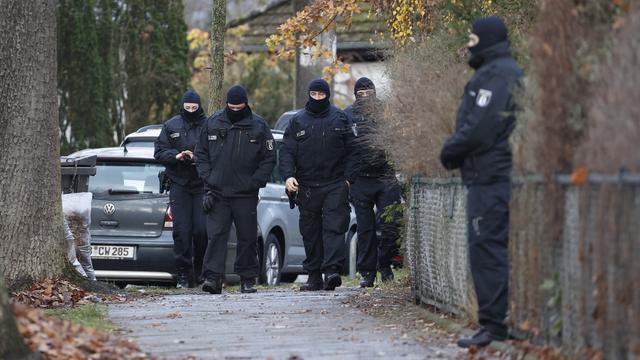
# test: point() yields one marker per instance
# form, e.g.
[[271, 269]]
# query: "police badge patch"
[[484, 97], [213, 137], [174, 135], [270, 144]]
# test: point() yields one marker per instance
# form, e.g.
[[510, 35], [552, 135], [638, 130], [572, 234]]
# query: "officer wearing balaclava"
[[373, 186], [235, 158], [480, 149], [174, 149], [314, 161]]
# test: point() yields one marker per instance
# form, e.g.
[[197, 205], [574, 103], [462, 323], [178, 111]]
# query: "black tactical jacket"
[[317, 147], [369, 159], [236, 159], [176, 136], [486, 117]]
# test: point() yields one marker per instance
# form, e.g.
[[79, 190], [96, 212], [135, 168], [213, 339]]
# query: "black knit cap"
[[191, 97], [363, 83], [491, 30], [237, 95], [320, 85]]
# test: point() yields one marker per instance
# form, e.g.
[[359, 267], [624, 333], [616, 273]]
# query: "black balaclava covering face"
[[491, 31], [191, 97], [318, 106], [365, 104], [237, 95], [363, 83]]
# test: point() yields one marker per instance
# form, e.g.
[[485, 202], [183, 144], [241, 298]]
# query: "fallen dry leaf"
[[56, 339]]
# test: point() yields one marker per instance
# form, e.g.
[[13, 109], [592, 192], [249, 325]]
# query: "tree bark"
[[218, 29], [12, 345], [31, 243]]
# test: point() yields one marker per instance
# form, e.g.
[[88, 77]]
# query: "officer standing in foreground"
[[313, 161], [480, 148], [235, 158], [373, 183], [174, 149]]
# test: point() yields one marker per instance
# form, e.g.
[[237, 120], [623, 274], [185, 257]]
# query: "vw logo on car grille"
[[109, 208]]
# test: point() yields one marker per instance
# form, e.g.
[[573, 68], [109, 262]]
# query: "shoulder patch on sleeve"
[[484, 98]]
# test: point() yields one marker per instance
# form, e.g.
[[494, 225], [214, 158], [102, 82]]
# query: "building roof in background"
[[263, 21]]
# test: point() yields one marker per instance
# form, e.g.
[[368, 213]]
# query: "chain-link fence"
[[574, 251]]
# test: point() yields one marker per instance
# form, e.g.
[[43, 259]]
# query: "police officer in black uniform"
[[373, 183], [480, 148], [313, 159], [235, 158], [174, 149]]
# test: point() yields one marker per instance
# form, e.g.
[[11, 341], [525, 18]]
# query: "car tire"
[[350, 253], [271, 268]]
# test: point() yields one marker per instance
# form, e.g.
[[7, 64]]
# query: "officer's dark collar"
[[501, 49], [197, 121], [320, 114], [245, 122], [367, 106]]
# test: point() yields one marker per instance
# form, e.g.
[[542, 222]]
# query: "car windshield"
[[126, 178]]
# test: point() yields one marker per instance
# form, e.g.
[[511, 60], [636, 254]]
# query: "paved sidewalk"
[[273, 324]]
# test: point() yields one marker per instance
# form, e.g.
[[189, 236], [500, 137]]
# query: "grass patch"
[[90, 315]]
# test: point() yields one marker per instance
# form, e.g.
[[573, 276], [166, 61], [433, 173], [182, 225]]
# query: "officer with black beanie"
[[480, 148], [373, 184], [314, 161], [174, 149], [235, 158]]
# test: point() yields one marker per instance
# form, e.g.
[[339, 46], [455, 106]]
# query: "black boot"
[[314, 282], [368, 278], [248, 286], [182, 280], [213, 286], [386, 274], [332, 281], [481, 339]]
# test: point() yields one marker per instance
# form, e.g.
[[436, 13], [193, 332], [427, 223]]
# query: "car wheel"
[[351, 253], [271, 262]]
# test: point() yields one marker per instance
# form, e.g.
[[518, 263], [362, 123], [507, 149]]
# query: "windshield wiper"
[[123, 191]]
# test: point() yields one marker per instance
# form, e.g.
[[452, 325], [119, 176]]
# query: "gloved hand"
[[208, 200]]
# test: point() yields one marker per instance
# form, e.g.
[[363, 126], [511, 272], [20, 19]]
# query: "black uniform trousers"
[[375, 252], [324, 220], [242, 211], [189, 234], [488, 229]]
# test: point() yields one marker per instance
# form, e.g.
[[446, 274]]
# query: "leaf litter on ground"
[[55, 338]]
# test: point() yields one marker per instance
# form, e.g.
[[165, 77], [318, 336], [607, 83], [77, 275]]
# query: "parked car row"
[[131, 220]]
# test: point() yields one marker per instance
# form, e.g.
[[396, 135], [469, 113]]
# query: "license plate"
[[112, 252]]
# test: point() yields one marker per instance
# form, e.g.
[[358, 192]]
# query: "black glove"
[[208, 200]]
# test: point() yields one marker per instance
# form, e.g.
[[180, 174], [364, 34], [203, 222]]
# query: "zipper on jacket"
[[238, 143]]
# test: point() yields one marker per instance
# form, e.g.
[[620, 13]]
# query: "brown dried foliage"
[[427, 80], [53, 293], [614, 115], [550, 137], [55, 338]]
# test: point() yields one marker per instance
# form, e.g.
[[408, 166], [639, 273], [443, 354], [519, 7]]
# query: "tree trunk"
[[218, 29], [308, 69], [31, 243], [11, 343]]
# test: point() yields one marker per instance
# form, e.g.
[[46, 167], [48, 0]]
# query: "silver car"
[[131, 222]]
